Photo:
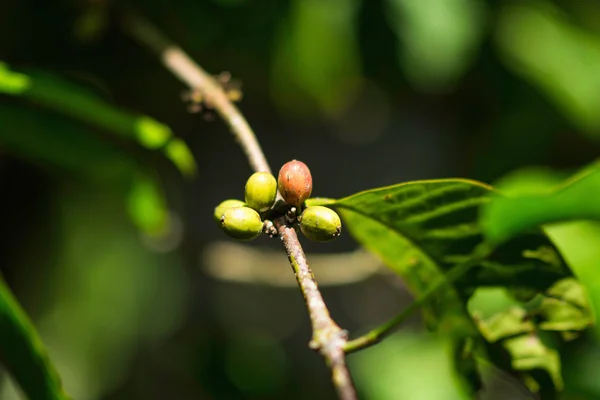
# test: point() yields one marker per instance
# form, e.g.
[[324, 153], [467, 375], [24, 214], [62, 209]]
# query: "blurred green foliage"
[[405, 366], [23, 352], [569, 209], [437, 39], [424, 230], [538, 41], [317, 53]]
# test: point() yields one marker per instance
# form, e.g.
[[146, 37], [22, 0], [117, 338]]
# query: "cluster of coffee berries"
[[245, 220]]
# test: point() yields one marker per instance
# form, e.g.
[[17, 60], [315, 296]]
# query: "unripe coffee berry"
[[224, 206], [261, 190], [241, 223], [295, 182], [320, 224]]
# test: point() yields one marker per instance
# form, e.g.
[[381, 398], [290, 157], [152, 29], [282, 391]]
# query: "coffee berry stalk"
[[320, 224]]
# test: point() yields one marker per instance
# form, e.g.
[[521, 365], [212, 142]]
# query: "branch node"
[[291, 215]]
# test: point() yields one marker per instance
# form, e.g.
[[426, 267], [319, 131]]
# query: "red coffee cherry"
[[295, 182]]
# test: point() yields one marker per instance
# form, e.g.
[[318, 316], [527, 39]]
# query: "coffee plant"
[[504, 276]]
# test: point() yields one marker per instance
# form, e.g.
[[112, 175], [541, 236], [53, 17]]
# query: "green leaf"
[[510, 321], [180, 154], [409, 366], [151, 133], [60, 95], [147, 207], [579, 242], [23, 352], [574, 199], [530, 353], [53, 141], [13, 82], [49, 138], [438, 220], [417, 269], [423, 230], [541, 43], [519, 328], [565, 307]]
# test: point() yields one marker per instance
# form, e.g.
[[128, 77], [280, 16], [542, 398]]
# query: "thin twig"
[[196, 78], [377, 334], [328, 338]]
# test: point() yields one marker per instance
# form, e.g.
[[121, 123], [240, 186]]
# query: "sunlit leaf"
[[12, 82], [63, 145], [179, 153], [60, 95], [530, 353], [562, 308], [23, 353], [519, 327], [512, 322], [439, 220], [409, 366], [424, 229], [437, 38], [565, 307], [417, 269], [539, 42], [151, 133], [579, 242], [574, 199], [147, 206], [52, 140]]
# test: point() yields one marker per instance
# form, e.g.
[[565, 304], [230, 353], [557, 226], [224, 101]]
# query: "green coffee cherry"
[[261, 190], [224, 206], [320, 224], [241, 223]]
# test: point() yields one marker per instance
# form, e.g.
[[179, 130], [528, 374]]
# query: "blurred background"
[[108, 181]]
